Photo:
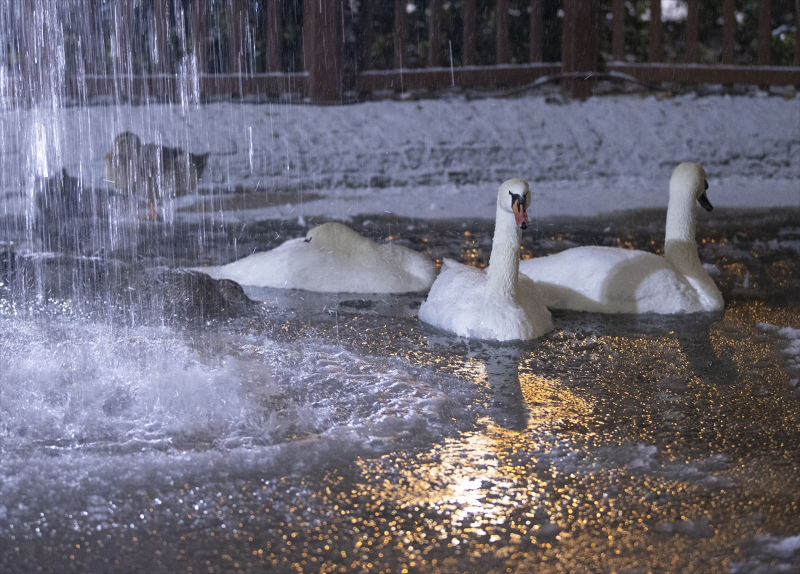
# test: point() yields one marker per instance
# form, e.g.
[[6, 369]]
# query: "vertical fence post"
[[274, 35], [469, 17], [797, 32], [323, 49], [536, 38], [692, 25], [618, 30], [655, 52], [728, 31], [400, 33], [367, 29], [199, 27], [77, 86], [579, 45], [503, 51], [162, 61], [121, 48], [162, 87], [236, 36], [88, 36], [121, 38], [764, 31], [435, 33]]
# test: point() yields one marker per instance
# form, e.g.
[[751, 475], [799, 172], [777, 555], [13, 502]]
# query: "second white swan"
[[614, 280], [332, 258]]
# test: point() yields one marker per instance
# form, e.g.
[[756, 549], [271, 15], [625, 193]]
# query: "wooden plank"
[[274, 35], [764, 32], [537, 32], [400, 33], [469, 16], [199, 30], [618, 12], [797, 33], [503, 46], [435, 33], [121, 48], [323, 50], [692, 26], [579, 45], [219, 85], [510, 75], [237, 36], [88, 36], [728, 31], [710, 74], [655, 52], [367, 33], [225, 85], [162, 61]]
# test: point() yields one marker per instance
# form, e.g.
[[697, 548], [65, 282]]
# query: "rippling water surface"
[[318, 433]]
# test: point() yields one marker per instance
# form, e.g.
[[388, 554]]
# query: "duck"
[[497, 303], [615, 280], [333, 258], [155, 171]]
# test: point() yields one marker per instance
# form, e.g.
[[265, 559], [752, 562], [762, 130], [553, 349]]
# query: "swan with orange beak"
[[497, 303]]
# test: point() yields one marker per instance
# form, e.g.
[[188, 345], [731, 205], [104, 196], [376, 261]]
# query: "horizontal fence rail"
[[213, 49]]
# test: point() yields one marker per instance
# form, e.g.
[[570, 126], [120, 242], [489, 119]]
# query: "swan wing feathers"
[[611, 280], [454, 297]]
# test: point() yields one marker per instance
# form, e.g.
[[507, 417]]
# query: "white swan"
[[614, 280], [332, 258], [496, 303]]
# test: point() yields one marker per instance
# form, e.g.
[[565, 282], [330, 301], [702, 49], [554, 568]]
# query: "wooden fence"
[[327, 75]]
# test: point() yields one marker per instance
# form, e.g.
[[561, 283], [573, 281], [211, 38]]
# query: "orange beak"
[[520, 215]]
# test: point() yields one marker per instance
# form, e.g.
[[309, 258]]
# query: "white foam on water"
[[792, 349], [85, 408]]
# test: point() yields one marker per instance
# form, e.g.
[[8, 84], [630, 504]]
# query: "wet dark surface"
[[613, 444]]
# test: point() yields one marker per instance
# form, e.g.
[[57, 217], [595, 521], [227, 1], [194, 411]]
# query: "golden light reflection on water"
[[548, 400], [610, 442], [632, 446]]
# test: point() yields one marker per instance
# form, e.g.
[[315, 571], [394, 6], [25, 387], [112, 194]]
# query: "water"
[[154, 420], [300, 431]]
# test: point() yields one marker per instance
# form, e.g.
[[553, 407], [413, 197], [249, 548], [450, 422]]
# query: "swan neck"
[[680, 243], [503, 268]]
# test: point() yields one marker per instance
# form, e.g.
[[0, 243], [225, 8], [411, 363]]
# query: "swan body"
[[333, 258], [496, 303], [614, 280]]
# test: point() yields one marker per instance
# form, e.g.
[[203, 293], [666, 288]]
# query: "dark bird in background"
[[154, 171], [60, 196]]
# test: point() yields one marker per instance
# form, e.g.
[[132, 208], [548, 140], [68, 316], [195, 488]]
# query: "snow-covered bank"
[[441, 158]]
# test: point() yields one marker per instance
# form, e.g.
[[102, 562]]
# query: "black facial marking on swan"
[[516, 199]]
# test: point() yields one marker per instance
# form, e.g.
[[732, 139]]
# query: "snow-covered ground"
[[438, 158]]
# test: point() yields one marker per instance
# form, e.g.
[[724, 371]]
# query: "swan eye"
[[706, 182], [515, 199]]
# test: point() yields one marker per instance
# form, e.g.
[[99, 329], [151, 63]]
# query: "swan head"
[[334, 235], [690, 179], [514, 197], [126, 145]]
